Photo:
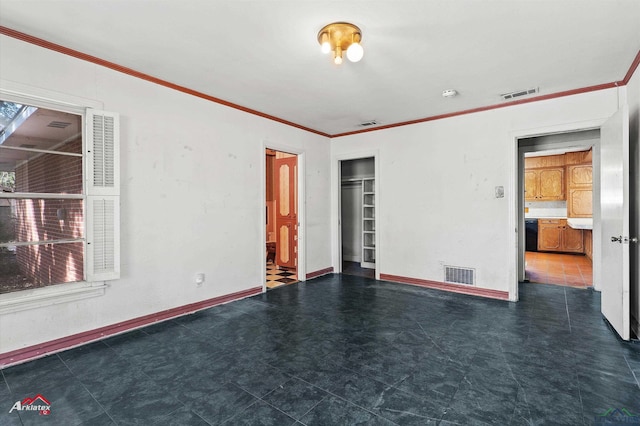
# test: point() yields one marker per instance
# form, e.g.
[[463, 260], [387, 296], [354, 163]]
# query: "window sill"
[[47, 296]]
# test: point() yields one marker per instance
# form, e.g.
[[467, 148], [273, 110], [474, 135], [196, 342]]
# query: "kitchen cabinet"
[[588, 243], [556, 235], [580, 190], [547, 184]]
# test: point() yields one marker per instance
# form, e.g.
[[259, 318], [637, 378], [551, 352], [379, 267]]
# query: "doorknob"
[[616, 239], [630, 240]]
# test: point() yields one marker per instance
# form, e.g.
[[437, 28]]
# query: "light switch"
[[499, 191]]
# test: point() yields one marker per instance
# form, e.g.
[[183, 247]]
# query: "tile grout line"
[[580, 395], [630, 369], [348, 401], [87, 389], [566, 304]]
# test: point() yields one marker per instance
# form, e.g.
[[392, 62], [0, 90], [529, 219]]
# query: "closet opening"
[[358, 217]]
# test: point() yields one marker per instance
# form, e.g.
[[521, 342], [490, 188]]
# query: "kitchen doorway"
[[357, 217], [282, 214], [558, 183]]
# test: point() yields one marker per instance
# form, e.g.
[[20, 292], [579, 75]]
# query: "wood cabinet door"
[[551, 186], [581, 175], [579, 202], [572, 240], [580, 194], [286, 211], [530, 185], [549, 236]]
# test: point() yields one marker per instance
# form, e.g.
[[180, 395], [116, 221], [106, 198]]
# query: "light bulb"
[[326, 46], [337, 59], [355, 52]]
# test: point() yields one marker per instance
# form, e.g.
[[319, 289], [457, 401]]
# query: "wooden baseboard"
[[37, 351], [453, 288], [319, 273]]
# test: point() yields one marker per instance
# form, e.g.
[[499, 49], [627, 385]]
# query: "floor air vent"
[[512, 95], [457, 275]]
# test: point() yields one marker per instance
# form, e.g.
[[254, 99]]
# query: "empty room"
[[319, 213]]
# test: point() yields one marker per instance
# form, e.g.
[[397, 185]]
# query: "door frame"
[[301, 270], [336, 202], [516, 208]]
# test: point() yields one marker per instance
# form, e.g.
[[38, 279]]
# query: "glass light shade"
[[337, 60], [355, 52], [326, 47]]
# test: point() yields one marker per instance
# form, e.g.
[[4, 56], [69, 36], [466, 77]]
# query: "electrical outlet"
[[199, 279]]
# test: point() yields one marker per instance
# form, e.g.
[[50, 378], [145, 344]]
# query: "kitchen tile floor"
[[279, 277], [572, 270], [346, 350]]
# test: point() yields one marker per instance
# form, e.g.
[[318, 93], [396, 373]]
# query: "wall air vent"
[[519, 93], [59, 124], [457, 275], [368, 123]]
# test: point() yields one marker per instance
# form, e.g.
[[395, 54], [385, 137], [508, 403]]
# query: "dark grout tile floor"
[[346, 350]]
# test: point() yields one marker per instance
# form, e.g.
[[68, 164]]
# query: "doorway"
[[557, 180], [357, 217], [281, 218]]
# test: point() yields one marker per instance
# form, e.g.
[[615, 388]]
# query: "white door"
[[614, 194]]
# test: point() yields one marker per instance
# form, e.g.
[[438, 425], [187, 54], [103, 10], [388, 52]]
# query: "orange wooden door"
[[286, 173]]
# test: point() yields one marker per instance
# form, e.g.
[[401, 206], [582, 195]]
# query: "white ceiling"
[[264, 54]]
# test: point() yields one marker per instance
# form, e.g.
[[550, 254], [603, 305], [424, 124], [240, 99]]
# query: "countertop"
[[580, 223], [575, 223]]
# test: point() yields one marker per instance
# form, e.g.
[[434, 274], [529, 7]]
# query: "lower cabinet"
[[556, 235]]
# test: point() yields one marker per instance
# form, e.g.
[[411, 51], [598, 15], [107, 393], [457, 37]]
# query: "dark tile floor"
[[354, 268], [343, 350]]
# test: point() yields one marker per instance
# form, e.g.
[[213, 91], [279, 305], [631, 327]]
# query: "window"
[[54, 228]]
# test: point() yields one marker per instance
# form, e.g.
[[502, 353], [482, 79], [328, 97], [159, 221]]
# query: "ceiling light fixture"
[[339, 37]]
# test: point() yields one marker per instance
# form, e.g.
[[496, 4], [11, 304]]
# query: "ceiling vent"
[[519, 93], [368, 123], [59, 124]]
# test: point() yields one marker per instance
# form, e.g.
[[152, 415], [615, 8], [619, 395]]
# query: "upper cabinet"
[[544, 178], [561, 177], [580, 191]]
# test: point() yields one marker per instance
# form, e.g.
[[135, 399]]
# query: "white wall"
[[192, 200], [437, 181], [633, 94]]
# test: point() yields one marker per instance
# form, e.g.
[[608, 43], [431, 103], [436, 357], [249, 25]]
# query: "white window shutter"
[[103, 153], [103, 238], [102, 211]]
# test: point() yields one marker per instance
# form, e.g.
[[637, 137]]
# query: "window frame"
[[79, 290]]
